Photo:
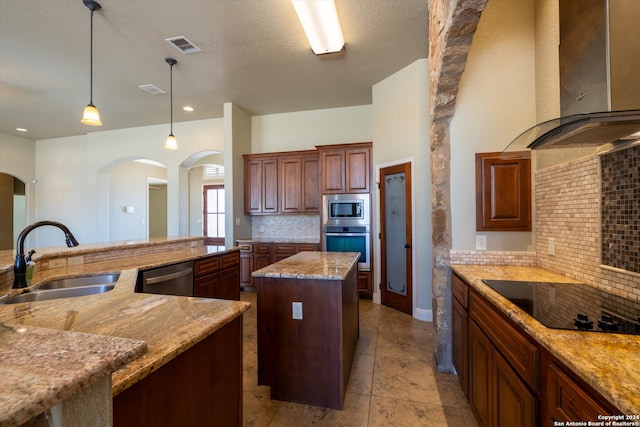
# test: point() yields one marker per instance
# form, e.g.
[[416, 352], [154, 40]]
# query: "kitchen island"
[[185, 338], [308, 326]]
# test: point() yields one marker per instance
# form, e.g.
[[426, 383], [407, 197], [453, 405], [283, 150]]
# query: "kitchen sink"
[[49, 294], [74, 282]]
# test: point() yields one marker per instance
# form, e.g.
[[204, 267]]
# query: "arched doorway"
[[13, 209]]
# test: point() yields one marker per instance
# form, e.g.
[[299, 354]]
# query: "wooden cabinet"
[[261, 184], [299, 183], [217, 276], [254, 256], [511, 380], [365, 284], [498, 393], [200, 387], [460, 330], [281, 183], [345, 168], [503, 192], [565, 397]]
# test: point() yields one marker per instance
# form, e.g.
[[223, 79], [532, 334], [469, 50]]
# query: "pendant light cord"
[[171, 96], [91, 63]]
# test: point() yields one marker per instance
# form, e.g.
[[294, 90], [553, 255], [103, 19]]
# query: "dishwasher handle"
[[166, 277]]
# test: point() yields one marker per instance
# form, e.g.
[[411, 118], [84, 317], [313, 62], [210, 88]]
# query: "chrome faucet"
[[20, 265]]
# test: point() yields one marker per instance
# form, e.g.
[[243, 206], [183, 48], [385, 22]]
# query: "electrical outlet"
[[261, 229], [296, 308], [481, 242], [552, 246], [237, 221]]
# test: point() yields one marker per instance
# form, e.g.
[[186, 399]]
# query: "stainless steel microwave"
[[345, 209]]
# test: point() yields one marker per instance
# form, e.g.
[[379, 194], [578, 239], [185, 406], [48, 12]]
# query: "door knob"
[[407, 246]]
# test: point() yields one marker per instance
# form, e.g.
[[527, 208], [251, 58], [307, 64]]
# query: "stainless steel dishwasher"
[[176, 279]]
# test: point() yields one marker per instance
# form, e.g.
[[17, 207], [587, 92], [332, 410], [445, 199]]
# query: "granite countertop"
[[607, 362], [44, 367], [312, 265], [168, 325]]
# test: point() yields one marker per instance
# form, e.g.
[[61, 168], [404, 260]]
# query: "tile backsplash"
[[567, 200], [620, 209], [306, 227]]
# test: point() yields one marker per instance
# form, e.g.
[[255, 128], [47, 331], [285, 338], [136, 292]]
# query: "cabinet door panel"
[[270, 186], [514, 404], [357, 170], [480, 368], [566, 400], [460, 323], [253, 186], [310, 189], [291, 193], [229, 284], [503, 192], [332, 171]]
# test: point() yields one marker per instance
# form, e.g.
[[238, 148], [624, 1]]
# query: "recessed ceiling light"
[[21, 129], [187, 108]]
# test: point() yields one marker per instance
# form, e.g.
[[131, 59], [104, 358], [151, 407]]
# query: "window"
[[214, 214]]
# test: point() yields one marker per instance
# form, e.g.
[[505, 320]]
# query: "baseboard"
[[423, 314]]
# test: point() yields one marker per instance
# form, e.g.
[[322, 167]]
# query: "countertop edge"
[[83, 365]]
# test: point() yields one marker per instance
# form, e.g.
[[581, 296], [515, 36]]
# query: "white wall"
[[304, 130], [72, 173], [496, 102], [128, 188], [17, 158], [401, 123]]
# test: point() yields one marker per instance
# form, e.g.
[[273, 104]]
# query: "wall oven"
[[345, 226]]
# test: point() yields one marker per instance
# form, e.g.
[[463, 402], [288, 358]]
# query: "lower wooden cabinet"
[[460, 343], [568, 398], [200, 387], [254, 256], [217, 276], [511, 380], [365, 283]]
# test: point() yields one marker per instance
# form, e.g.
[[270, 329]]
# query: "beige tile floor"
[[393, 379]]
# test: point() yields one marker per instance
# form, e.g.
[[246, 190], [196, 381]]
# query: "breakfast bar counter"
[[166, 327], [308, 326]]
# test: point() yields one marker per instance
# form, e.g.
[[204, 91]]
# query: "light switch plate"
[[481, 242], [296, 308]]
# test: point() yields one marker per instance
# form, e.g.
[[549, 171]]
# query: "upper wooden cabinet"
[[281, 183], [299, 183], [503, 192], [261, 184], [345, 168]]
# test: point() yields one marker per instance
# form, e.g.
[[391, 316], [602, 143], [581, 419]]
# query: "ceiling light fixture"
[[319, 19], [171, 143], [91, 115]]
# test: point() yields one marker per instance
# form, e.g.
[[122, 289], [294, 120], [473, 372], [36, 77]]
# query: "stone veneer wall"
[[452, 24], [568, 210]]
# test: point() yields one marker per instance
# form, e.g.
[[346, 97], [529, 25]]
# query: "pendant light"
[[171, 143], [91, 115]]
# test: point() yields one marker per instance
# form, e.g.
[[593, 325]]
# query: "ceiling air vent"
[[183, 45], [152, 89]]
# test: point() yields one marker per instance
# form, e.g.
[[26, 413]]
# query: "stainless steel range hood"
[[581, 130]]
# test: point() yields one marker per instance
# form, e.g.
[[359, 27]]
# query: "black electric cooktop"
[[572, 306]]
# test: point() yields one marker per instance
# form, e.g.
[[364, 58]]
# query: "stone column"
[[452, 24]]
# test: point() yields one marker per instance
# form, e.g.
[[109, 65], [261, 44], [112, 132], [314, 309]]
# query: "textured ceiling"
[[254, 54]]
